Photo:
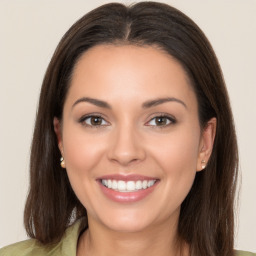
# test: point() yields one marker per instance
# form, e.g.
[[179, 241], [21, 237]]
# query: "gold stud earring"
[[62, 162], [203, 164]]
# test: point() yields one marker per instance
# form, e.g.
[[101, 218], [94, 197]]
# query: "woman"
[[134, 149]]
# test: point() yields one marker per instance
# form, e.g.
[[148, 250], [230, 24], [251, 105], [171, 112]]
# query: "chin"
[[127, 227], [125, 220]]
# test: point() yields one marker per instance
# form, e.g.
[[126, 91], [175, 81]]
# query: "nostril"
[[124, 159], [126, 150]]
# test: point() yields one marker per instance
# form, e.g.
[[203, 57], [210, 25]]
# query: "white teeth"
[[150, 183], [144, 184], [114, 184], [138, 184], [121, 185], [128, 186], [109, 184]]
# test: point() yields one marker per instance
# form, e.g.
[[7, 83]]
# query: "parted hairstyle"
[[206, 220]]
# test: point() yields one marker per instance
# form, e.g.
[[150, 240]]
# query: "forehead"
[[129, 57], [128, 71]]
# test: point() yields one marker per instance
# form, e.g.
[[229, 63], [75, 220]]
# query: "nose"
[[126, 146]]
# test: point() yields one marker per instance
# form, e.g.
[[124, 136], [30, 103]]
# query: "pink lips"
[[126, 197]]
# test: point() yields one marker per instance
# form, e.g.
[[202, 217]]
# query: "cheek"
[[178, 152], [82, 154], [177, 158], [82, 150]]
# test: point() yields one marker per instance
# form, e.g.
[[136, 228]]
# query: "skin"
[[130, 141]]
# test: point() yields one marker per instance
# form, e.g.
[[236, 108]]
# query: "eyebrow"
[[147, 104], [96, 102], [152, 103]]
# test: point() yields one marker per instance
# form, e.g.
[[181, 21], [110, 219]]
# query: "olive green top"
[[66, 247]]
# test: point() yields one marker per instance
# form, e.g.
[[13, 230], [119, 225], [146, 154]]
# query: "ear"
[[206, 144], [57, 129]]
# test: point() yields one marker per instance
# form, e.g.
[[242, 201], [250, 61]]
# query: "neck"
[[161, 240]]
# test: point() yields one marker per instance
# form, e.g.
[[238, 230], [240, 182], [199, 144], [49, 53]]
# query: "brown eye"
[[93, 121], [96, 120], [161, 121]]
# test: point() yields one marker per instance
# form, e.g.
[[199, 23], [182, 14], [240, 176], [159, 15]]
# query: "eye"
[[162, 120], [93, 120]]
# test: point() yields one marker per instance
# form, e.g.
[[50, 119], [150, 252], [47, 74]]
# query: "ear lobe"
[[57, 129], [206, 144]]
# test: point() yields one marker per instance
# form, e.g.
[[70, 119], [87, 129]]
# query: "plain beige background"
[[29, 33]]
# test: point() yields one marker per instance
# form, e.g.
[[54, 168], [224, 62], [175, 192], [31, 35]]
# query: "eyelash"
[[169, 118], [83, 119]]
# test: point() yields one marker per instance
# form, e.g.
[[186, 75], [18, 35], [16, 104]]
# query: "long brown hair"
[[206, 219]]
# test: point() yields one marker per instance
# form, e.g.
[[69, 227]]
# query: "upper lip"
[[132, 177]]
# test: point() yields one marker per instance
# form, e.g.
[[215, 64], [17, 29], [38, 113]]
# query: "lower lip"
[[127, 197]]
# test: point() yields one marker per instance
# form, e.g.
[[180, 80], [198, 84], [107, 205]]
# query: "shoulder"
[[66, 247], [243, 253], [31, 247], [24, 248]]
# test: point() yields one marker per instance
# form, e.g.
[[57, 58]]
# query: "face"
[[130, 136]]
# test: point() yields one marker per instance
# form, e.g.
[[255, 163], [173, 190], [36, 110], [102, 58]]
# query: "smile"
[[127, 186]]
